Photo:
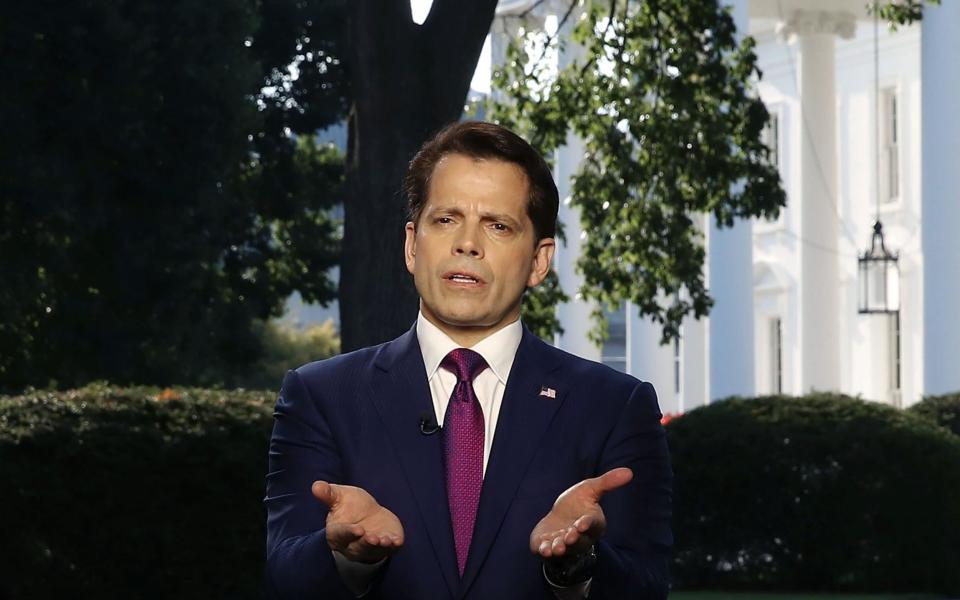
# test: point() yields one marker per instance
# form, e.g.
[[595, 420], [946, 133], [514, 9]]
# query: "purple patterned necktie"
[[463, 448]]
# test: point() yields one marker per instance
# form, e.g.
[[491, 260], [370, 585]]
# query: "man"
[[467, 458]]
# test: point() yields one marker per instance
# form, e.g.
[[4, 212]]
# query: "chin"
[[464, 319]]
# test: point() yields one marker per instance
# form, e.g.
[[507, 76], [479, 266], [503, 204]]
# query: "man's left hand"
[[576, 521]]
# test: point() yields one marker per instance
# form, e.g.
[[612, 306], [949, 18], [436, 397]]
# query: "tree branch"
[[453, 36], [525, 13], [452, 23]]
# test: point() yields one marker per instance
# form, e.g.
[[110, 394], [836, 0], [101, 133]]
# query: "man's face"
[[473, 252]]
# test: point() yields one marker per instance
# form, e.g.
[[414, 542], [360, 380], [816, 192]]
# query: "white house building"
[[785, 318]]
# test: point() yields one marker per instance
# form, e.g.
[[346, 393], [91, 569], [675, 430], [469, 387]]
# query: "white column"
[[819, 286], [730, 272], [574, 315], [695, 391], [731, 318], [649, 361], [940, 195]]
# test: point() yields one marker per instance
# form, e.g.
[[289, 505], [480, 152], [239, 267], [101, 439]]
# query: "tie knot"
[[464, 363]]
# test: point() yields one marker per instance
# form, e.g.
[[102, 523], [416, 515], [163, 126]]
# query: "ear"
[[542, 258], [410, 246]]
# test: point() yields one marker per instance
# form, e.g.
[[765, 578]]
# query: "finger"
[[325, 492], [389, 538], [351, 530], [571, 537], [382, 539], [342, 534], [584, 523], [541, 542], [592, 526], [549, 536], [558, 547], [611, 480], [371, 539]]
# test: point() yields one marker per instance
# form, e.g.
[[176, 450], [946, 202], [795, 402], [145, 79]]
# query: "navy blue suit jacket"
[[354, 419]]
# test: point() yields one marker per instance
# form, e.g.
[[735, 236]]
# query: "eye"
[[501, 227], [443, 220]]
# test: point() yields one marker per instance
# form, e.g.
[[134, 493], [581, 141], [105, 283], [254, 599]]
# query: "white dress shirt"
[[498, 349]]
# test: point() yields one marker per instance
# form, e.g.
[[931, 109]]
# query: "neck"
[[467, 336]]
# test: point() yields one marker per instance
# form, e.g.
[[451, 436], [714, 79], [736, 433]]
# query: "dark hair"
[[482, 140]]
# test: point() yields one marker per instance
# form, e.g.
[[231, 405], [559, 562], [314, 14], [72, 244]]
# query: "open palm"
[[357, 526], [576, 520]]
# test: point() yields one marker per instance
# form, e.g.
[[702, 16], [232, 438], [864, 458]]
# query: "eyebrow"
[[487, 215]]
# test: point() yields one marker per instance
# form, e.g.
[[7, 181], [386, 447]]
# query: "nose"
[[468, 241]]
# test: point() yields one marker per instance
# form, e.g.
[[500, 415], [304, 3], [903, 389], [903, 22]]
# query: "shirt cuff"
[[357, 576], [577, 591]]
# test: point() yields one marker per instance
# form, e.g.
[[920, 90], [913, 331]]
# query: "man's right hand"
[[357, 526]]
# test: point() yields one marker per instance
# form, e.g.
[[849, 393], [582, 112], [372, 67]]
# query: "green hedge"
[[943, 410], [145, 493], [820, 492], [133, 493]]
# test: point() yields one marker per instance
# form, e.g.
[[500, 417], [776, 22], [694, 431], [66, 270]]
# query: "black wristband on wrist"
[[567, 571]]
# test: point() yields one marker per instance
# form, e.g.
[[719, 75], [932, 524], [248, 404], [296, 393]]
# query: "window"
[[776, 356], [890, 146], [771, 137], [614, 350]]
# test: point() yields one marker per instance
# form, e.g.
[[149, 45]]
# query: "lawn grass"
[[698, 595]]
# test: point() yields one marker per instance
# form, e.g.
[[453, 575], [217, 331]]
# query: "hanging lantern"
[[877, 267], [879, 277]]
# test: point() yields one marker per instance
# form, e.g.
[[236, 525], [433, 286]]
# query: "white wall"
[[864, 339], [776, 273]]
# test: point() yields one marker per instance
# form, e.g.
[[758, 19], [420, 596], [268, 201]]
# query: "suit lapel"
[[525, 415], [400, 393]]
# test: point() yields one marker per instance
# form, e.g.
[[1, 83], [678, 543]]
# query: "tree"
[[143, 226], [161, 193], [406, 82], [663, 99], [398, 82], [900, 12]]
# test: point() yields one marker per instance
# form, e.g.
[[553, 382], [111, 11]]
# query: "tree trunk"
[[407, 81]]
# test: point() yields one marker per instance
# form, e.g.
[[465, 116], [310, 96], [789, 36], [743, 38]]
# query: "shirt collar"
[[498, 348]]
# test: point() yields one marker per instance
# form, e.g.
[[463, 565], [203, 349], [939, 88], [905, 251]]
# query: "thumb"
[[611, 480], [326, 492]]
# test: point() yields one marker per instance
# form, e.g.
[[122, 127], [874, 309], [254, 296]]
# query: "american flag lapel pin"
[[549, 392]]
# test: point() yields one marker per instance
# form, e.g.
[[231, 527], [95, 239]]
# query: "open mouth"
[[463, 278]]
